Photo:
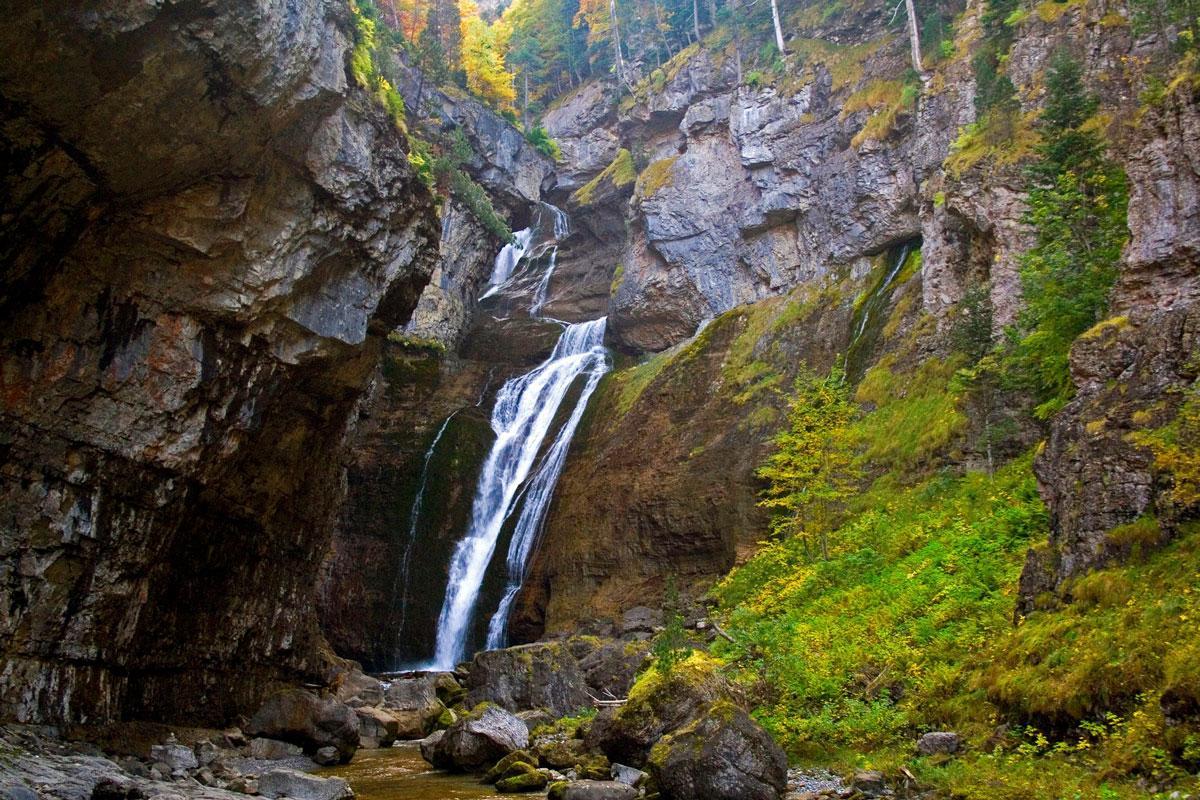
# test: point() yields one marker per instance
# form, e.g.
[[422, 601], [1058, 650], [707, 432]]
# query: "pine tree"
[[814, 469], [1077, 206]]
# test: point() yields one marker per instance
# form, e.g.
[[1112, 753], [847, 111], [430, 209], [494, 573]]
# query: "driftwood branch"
[[607, 703]]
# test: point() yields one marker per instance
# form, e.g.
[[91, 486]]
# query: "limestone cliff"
[[207, 232], [746, 193]]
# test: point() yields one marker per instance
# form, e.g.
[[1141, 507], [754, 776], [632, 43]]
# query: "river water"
[[399, 773]]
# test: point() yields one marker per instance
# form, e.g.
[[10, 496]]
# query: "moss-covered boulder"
[[515, 763], [479, 739], [723, 755], [530, 781], [542, 675], [559, 751], [659, 704]]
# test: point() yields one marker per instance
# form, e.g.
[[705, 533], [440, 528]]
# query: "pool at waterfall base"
[[399, 773]]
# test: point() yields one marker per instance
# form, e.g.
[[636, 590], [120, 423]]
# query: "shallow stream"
[[399, 773]]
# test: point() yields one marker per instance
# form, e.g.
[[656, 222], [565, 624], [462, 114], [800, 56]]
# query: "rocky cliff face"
[[743, 194], [207, 232], [438, 377], [1131, 372]]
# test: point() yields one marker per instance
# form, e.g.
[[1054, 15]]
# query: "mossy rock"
[[659, 704], [597, 768], [445, 719], [515, 763], [558, 790], [532, 781]]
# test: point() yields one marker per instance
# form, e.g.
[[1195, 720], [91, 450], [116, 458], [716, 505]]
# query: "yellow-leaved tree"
[[814, 468], [483, 59]]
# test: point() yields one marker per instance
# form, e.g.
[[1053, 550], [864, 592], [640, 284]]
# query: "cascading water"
[[507, 260], [538, 494], [414, 516], [539, 294], [525, 410]]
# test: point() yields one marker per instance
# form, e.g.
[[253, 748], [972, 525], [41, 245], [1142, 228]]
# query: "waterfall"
[[414, 516], [506, 260], [522, 418], [539, 295], [537, 502], [562, 225], [875, 301]]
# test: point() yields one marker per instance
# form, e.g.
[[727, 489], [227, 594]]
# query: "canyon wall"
[[208, 231], [748, 195]]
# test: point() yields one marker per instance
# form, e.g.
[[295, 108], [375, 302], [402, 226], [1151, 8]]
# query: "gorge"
[[708, 401]]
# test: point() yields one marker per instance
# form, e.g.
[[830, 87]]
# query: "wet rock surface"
[[41, 764], [227, 238], [479, 739]]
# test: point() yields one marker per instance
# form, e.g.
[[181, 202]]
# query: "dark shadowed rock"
[[309, 721], [542, 675], [939, 742], [209, 228]]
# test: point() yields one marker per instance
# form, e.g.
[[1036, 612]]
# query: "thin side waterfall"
[[414, 517], [562, 224], [539, 295], [522, 418]]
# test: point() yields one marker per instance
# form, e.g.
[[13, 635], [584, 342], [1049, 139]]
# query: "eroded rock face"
[[1130, 372], [543, 675], [209, 232]]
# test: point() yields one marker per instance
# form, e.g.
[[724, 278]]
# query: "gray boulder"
[[413, 702], [376, 728], [480, 739], [429, 747], [273, 749], [357, 689], [543, 675], [724, 755], [936, 742], [310, 721], [631, 776], [176, 756], [592, 790], [300, 786]]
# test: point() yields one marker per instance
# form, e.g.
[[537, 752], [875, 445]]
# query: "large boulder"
[[376, 728], [659, 704], [413, 702], [723, 755], [357, 689], [300, 786], [541, 675], [610, 669], [479, 739], [310, 721], [592, 790]]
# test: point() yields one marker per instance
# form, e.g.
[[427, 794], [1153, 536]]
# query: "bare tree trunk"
[[914, 38], [525, 107], [712, 14], [696, 18], [779, 28], [620, 65], [737, 39]]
